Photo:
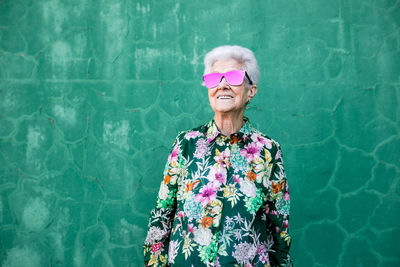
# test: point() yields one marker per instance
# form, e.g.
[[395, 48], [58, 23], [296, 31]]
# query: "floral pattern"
[[223, 201]]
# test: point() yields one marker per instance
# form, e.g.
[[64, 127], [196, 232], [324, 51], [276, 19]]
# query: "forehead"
[[225, 65]]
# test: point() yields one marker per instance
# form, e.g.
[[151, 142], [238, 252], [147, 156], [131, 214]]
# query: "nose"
[[223, 83]]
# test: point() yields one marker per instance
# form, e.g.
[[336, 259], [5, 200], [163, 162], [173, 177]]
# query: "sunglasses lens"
[[235, 77], [212, 79]]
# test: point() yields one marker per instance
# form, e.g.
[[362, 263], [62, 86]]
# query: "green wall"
[[92, 94]]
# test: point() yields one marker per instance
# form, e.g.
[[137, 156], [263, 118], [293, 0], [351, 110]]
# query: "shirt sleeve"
[[277, 212], [162, 215]]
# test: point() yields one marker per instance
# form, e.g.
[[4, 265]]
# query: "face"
[[226, 98]]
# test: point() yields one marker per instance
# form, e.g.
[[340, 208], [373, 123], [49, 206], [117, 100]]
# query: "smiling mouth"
[[224, 97]]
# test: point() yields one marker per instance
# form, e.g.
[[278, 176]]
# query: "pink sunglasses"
[[234, 77]]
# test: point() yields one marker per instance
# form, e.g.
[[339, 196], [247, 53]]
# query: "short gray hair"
[[244, 56]]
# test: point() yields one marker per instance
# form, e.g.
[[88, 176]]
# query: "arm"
[[161, 217], [277, 211]]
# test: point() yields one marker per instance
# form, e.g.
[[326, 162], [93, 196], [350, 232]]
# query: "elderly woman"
[[224, 198]]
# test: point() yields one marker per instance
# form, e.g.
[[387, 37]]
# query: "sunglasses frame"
[[223, 75]]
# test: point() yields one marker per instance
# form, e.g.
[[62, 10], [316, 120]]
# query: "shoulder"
[[191, 135], [269, 144]]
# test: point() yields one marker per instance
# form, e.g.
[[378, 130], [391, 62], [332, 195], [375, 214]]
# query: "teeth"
[[224, 97]]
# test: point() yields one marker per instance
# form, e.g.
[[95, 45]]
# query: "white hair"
[[244, 56]]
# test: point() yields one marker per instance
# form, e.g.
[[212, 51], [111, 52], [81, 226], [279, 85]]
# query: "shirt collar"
[[212, 130]]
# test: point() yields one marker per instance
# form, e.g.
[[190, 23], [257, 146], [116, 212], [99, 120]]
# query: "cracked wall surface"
[[92, 94]]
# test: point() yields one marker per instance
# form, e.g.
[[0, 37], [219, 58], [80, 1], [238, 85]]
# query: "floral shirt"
[[223, 201]]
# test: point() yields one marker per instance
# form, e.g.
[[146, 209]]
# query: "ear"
[[252, 92]]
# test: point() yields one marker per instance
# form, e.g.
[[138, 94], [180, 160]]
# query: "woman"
[[224, 199]]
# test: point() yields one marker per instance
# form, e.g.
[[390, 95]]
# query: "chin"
[[225, 109]]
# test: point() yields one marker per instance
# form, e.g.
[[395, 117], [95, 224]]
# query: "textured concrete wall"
[[92, 94]]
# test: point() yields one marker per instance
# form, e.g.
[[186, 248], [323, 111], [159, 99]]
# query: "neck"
[[229, 123]]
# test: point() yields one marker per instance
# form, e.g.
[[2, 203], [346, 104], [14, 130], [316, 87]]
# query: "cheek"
[[210, 96], [242, 94]]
